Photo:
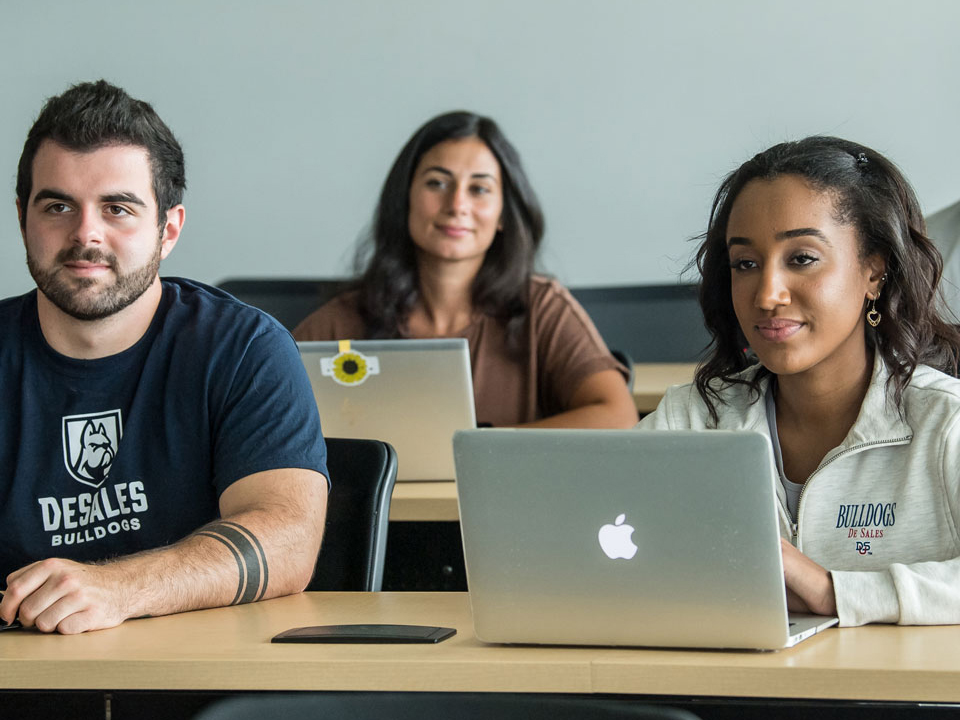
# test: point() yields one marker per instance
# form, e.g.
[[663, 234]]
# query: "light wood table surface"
[[651, 380], [424, 501], [230, 649]]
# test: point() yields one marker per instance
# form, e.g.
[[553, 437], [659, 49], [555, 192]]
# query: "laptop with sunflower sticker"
[[413, 394]]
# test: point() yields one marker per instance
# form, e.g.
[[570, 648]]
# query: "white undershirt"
[[792, 489]]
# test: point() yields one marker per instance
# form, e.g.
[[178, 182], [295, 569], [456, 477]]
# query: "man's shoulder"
[[210, 329], [203, 332], [15, 305], [13, 311], [206, 309]]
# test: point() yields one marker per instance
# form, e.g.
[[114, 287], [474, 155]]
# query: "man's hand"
[[274, 518], [65, 596], [809, 586]]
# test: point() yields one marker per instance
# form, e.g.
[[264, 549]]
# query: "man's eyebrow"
[[50, 194], [124, 197], [785, 235]]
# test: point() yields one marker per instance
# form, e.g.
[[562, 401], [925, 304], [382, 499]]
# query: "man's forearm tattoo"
[[248, 552]]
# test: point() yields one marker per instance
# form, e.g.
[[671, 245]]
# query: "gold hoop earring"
[[873, 316]]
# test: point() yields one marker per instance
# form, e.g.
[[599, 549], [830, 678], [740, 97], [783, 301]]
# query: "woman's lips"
[[454, 231], [777, 330]]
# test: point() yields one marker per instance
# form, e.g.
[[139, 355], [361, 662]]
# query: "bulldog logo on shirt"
[[90, 444]]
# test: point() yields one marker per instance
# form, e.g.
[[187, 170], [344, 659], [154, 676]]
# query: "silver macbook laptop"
[[412, 393], [598, 537]]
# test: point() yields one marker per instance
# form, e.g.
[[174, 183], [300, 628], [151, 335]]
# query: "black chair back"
[[289, 301], [651, 323], [624, 359], [362, 474]]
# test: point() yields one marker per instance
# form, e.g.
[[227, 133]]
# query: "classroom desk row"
[[229, 649], [651, 380], [437, 501]]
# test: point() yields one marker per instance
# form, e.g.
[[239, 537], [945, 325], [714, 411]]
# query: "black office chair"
[[624, 359], [652, 323], [417, 706], [362, 473], [289, 301]]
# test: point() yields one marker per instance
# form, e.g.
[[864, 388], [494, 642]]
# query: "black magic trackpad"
[[365, 634]]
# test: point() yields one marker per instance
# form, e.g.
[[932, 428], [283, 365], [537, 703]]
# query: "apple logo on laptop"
[[615, 539]]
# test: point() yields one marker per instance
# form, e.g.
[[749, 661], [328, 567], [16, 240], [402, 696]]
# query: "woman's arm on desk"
[[601, 401]]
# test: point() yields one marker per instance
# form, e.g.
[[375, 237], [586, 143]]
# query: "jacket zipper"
[[795, 526]]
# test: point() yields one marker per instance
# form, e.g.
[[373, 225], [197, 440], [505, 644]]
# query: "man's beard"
[[67, 293]]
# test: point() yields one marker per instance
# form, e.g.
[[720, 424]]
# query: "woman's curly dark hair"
[[389, 284], [870, 193]]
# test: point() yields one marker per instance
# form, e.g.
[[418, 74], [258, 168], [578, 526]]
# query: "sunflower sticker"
[[349, 367]]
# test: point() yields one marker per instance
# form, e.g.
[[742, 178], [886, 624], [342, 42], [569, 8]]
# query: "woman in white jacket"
[[815, 263]]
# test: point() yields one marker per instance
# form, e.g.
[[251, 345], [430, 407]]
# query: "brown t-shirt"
[[563, 349]]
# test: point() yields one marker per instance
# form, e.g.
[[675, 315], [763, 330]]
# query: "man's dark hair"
[[90, 116]]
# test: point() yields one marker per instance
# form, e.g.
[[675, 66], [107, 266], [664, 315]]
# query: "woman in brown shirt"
[[453, 244]]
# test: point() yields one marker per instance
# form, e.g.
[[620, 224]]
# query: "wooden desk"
[[651, 380], [229, 649], [424, 501]]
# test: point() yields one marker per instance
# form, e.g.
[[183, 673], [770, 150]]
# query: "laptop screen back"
[[621, 537], [413, 394]]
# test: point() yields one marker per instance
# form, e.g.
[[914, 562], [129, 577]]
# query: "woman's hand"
[[809, 586]]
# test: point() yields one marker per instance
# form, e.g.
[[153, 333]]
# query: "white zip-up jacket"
[[881, 512]]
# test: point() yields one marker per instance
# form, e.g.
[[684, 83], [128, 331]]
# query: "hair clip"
[[862, 159]]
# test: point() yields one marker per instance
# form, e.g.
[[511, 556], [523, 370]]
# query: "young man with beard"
[[160, 449]]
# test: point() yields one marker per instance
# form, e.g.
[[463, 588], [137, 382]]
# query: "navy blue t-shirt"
[[101, 458]]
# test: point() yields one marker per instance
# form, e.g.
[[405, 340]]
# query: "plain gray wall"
[[627, 113]]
